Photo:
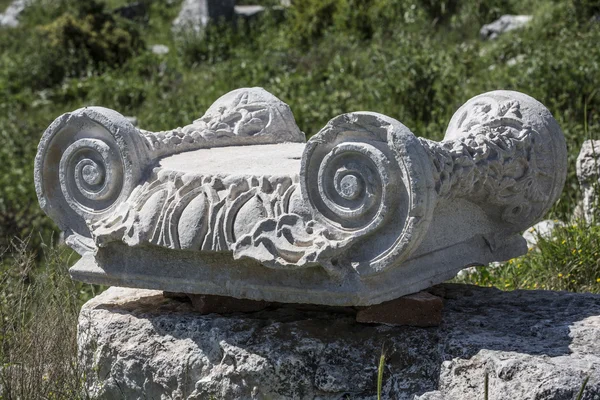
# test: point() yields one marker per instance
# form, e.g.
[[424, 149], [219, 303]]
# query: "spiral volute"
[[362, 174], [88, 161], [352, 185]]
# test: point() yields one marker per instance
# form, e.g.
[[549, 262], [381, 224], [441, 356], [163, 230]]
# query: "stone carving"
[[236, 204], [499, 160], [240, 117]]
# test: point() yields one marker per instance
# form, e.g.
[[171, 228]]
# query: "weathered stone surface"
[[588, 174], [238, 204], [10, 16], [543, 229], [504, 24], [420, 309], [532, 344], [160, 49], [248, 11], [196, 14]]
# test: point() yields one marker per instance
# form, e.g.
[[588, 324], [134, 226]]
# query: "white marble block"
[[238, 204]]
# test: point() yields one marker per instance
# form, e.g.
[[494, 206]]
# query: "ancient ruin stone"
[[10, 16], [138, 344], [588, 174], [505, 23], [238, 204], [196, 14], [543, 229]]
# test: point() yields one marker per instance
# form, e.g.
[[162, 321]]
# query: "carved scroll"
[[363, 212]]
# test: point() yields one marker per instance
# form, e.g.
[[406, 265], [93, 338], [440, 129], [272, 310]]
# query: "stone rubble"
[[10, 16], [542, 229], [505, 23]]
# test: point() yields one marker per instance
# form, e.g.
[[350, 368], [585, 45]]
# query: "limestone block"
[[544, 229], [505, 23], [160, 49], [588, 174], [196, 14], [138, 344], [238, 204], [248, 11], [10, 16]]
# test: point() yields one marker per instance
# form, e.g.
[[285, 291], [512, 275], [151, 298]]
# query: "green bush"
[[83, 41], [38, 326], [570, 260]]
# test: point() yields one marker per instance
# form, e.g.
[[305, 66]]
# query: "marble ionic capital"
[[238, 204]]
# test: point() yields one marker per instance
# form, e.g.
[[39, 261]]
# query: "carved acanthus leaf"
[[290, 242], [493, 160], [243, 116]]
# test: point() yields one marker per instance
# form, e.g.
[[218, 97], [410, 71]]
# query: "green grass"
[[38, 325], [4, 4], [380, 371], [570, 260]]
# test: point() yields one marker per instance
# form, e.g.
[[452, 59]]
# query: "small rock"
[[542, 229], [209, 304], [420, 309], [248, 12], [196, 14], [502, 25], [160, 49], [10, 17]]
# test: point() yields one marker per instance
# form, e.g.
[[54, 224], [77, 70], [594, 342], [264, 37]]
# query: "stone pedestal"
[[138, 344]]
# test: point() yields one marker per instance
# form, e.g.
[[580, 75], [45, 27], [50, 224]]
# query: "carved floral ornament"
[[238, 204]]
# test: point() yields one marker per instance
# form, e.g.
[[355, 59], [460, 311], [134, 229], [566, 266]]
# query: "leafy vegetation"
[[569, 260], [38, 326]]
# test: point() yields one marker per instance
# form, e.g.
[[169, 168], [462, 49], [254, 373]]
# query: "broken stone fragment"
[[543, 229], [588, 174], [10, 16], [195, 15], [505, 23], [160, 49]]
